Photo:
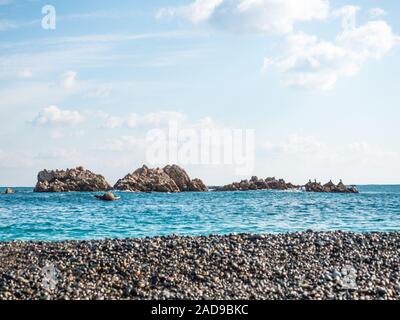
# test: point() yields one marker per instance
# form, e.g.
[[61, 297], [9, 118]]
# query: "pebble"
[[273, 266]]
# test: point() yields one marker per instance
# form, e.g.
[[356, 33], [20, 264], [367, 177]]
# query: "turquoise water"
[[35, 216]]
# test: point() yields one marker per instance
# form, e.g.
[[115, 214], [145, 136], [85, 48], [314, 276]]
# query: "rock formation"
[[329, 187], [274, 184], [169, 179], [258, 184], [9, 191], [70, 180]]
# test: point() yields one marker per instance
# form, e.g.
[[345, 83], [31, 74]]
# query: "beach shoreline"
[[307, 265]]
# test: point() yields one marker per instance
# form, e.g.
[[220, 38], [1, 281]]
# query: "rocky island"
[[329, 187], [70, 180], [169, 179], [280, 184], [258, 184]]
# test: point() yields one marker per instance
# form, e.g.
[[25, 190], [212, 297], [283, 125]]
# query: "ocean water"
[[72, 216]]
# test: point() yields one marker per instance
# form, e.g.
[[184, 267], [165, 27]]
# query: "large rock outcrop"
[[329, 187], [258, 184], [70, 180], [169, 179]]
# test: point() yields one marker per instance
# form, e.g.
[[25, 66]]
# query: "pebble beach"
[[309, 265]]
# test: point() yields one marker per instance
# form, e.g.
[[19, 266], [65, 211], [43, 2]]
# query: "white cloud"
[[68, 80], [377, 12], [25, 73], [15, 73], [317, 64], [346, 11], [6, 25], [313, 150], [300, 157], [58, 154], [52, 115], [64, 133], [134, 120], [14, 159], [300, 146], [124, 143], [269, 16], [366, 150], [161, 118], [309, 62], [198, 11]]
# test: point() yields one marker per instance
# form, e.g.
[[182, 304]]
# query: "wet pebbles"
[[285, 266]]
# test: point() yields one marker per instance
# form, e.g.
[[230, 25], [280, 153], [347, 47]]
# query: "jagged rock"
[[9, 191], [258, 184], [180, 177], [275, 184], [70, 180], [107, 197], [147, 180], [197, 185], [329, 187], [169, 179], [314, 187]]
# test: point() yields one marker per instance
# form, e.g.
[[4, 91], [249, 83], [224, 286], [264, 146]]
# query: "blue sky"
[[323, 100]]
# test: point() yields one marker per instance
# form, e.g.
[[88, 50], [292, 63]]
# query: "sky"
[[316, 81]]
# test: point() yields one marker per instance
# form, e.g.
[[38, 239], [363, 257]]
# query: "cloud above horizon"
[[266, 16], [312, 63], [377, 13], [90, 95], [308, 61], [68, 80], [53, 115]]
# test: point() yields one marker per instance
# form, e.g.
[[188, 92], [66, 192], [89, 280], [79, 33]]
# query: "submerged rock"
[[69, 180], [109, 196], [329, 187], [169, 179], [9, 191], [258, 184]]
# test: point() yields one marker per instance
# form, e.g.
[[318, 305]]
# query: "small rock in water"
[[107, 197], [9, 191]]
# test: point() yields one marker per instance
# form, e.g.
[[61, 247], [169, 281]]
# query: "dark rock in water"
[[9, 191], [179, 176], [329, 187], [107, 197], [258, 184], [197, 185], [169, 179], [70, 180], [314, 187], [147, 180]]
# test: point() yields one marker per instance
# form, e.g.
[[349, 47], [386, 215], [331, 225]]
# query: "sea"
[[31, 216]]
